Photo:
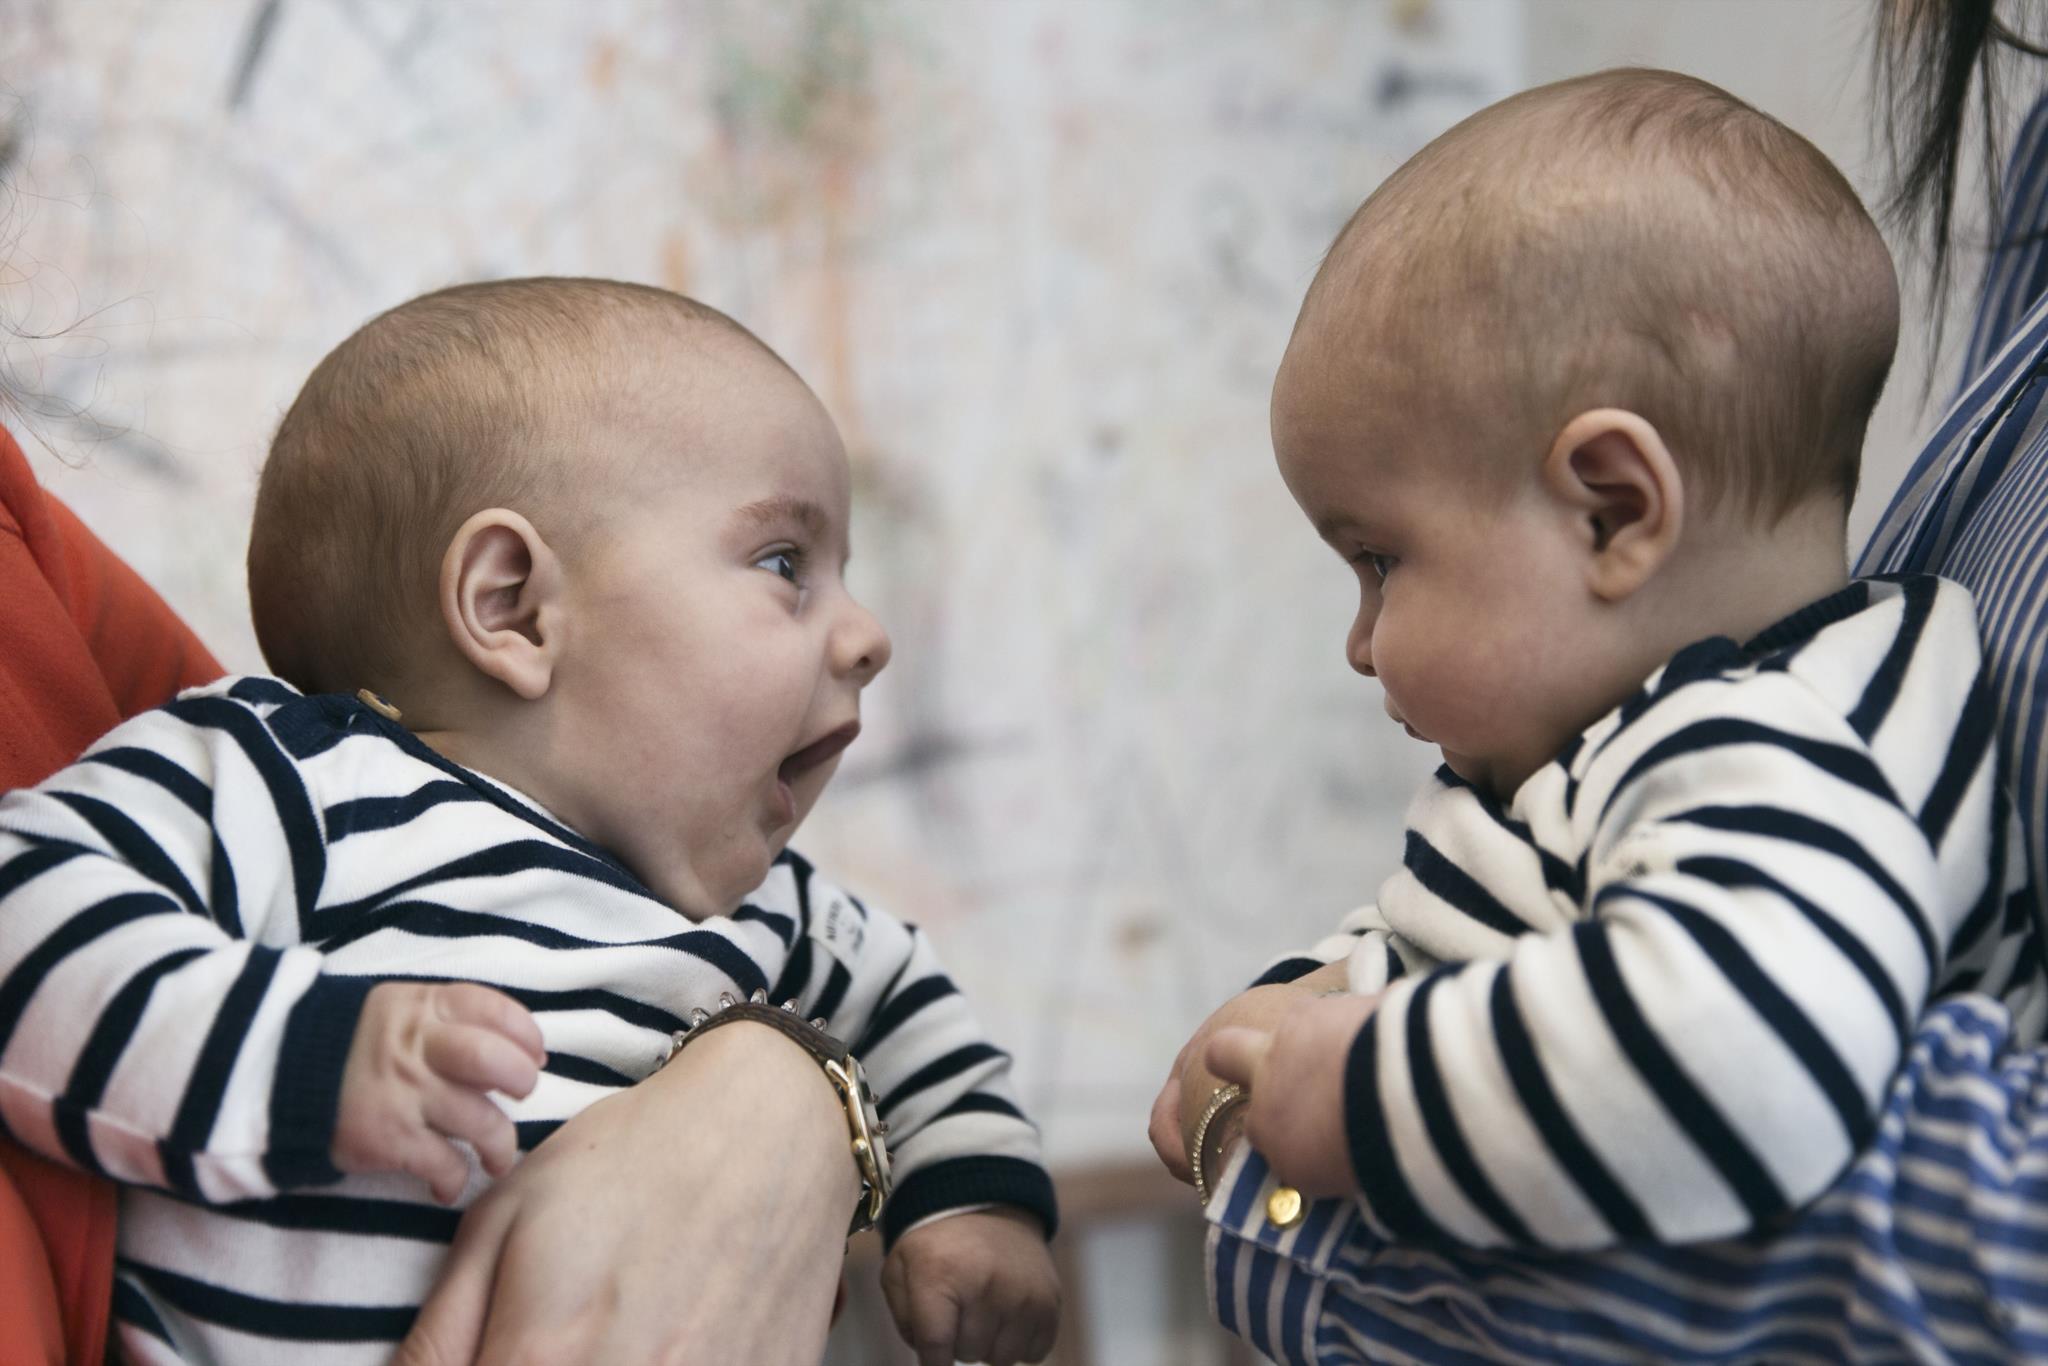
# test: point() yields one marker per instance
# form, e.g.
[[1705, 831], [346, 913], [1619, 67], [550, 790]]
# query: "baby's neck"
[[520, 752], [1736, 577]]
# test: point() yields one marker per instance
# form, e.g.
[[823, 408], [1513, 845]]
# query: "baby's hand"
[[974, 1287], [1190, 1084], [424, 1058], [1295, 1074]]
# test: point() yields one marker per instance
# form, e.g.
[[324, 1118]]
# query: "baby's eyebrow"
[[781, 509], [1336, 526]]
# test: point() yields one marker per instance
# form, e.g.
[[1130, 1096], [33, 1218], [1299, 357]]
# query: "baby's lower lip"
[[785, 801], [819, 752]]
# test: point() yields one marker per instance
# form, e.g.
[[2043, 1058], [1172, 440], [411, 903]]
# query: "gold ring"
[[1225, 1098]]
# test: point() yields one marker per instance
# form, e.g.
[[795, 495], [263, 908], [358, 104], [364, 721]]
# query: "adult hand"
[[1190, 1084], [1295, 1074], [697, 1218]]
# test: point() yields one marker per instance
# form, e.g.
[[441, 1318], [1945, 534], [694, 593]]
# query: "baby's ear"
[[1613, 478], [501, 597]]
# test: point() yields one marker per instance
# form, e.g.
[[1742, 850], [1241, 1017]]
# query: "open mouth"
[[822, 750]]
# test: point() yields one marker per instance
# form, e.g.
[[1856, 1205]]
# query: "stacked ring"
[[1225, 1099]]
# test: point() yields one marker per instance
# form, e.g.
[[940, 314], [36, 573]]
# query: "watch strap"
[[808, 1035]]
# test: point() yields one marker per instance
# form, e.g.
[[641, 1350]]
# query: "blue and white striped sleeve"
[[957, 1138], [150, 979], [1927, 1249], [1709, 1048]]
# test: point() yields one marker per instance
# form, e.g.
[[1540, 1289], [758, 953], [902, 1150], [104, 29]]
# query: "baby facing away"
[[550, 571]]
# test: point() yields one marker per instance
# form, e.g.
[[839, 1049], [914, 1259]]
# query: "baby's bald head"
[[513, 393], [1633, 239]]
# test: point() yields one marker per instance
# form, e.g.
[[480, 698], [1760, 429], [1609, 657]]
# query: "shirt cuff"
[[1287, 970], [960, 1183], [1239, 1207], [1266, 1282], [305, 1098]]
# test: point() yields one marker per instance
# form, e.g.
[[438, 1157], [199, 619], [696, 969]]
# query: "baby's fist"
[[424, 1059], [974, 1287]]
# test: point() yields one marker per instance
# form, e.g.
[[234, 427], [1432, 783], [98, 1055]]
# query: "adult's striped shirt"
[[1933, 1246], [191, 915]]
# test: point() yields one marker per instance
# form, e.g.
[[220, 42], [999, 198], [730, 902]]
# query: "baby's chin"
[[719, 892], [1478, 772], [722, 884], [1498, 778]]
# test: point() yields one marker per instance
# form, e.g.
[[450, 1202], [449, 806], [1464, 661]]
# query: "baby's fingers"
[[1234, 1054], [437, 1162], [482, 1125], [470, 1004], [1026, 1326], [1165, 1131], [1042, 1331], [481, 1059], [1012, 1342], [932, 1327], [975, 1339]]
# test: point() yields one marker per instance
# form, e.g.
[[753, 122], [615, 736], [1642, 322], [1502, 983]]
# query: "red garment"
[[84, 644]]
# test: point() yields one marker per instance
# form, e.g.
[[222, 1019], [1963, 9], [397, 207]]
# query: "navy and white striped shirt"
[[1933, 1247], [1661, 993], [191, 915]]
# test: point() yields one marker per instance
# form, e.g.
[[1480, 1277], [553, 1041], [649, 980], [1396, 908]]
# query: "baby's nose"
[[864, 645], [1358, 652]]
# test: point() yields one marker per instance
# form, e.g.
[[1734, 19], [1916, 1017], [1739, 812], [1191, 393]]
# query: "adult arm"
[[698, 1218]]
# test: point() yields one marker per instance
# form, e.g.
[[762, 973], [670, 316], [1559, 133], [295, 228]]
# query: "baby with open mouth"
[[550, 575]]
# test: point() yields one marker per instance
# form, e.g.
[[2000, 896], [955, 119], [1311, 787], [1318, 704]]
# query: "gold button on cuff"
[[1283, 1207]]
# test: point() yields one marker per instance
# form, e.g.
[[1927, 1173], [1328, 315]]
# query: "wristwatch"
[[864, 1124]]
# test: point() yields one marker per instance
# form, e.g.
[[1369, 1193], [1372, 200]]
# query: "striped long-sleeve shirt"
[[191, 915], [1662, 993]]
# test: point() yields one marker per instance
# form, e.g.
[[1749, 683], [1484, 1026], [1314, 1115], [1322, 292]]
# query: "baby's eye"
[[786, 564], [1381, 565]]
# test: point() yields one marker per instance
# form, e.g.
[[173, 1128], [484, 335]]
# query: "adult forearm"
[[764, 1089], [699, 1217]]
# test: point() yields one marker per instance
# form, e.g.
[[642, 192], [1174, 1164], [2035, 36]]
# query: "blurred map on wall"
[[1038, 257]]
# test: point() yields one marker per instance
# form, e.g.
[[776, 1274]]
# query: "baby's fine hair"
[[1641, 240], [471, 397]]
